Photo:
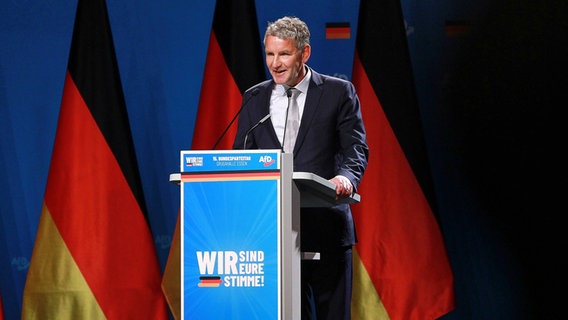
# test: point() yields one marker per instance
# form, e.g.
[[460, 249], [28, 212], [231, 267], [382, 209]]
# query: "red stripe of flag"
[[216, 281], [1, 309]]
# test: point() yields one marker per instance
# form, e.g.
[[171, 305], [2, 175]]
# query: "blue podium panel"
[[230, 248]]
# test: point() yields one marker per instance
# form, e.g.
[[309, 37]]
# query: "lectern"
[[240, 232]]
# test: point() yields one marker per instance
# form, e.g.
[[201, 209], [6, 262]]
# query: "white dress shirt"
[[279, 104]]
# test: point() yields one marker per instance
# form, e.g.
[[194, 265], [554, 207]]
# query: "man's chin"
[[279, 79]]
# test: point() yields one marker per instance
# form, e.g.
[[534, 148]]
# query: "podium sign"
[[240, 232], [231, 215]]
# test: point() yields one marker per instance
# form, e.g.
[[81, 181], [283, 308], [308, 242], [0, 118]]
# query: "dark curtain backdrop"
[[488, 81]]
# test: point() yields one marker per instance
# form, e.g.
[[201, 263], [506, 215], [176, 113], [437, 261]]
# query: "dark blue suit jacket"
[[331, 141]]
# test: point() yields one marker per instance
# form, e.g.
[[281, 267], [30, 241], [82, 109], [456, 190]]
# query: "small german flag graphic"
[[456, 28], [209, 281], [337, 30]]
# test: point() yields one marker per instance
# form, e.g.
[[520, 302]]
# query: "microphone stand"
[[261, 121], [254, 92], [288, 94]]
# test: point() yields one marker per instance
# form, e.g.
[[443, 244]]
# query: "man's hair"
[[289, 28]]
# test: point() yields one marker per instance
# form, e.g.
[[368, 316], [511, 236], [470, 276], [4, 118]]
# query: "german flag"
[[337, 30], [401, 268], [94, 255], [234, 63], [456, 28]]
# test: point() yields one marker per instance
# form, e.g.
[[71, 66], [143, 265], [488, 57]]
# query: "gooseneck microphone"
[[261, 121], [253, 93], [289, 94]]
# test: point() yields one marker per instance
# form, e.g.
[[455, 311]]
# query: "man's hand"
[[343, 187]]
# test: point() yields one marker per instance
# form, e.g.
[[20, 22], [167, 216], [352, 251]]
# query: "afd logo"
[[163, 241], [21, 263], [266, 160]]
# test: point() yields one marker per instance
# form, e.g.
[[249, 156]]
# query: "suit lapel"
[[310, 108]]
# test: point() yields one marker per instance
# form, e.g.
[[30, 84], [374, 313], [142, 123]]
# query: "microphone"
[[253, 93], [289, 94], [261, 121]]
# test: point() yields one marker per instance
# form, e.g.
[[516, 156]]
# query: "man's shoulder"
[[261, 85], [318, 77], [261, 88], [321, 79]]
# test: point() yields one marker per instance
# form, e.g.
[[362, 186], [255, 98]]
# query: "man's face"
[[284, 61]]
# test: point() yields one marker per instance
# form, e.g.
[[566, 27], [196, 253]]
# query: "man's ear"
[[306, 52]]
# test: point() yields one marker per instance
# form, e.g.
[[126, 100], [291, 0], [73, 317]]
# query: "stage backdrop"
[[161, 49]]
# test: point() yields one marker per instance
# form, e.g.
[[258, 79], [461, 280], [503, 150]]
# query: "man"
[[330, 142]]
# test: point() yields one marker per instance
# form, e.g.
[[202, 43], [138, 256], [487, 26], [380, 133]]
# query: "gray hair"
[[289, 28]]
